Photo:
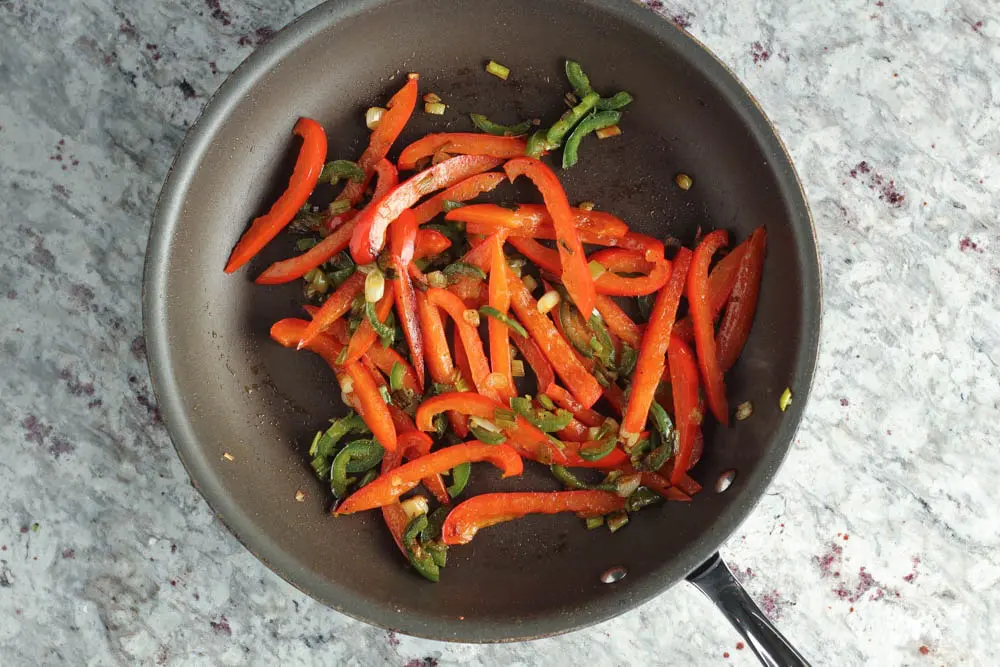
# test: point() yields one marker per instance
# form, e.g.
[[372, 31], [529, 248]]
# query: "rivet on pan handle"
[[714, 579]]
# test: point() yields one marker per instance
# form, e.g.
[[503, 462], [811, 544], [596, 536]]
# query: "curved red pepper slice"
[[385, 358], [387, 488], [541, 256], [402, 240], [364, 336], [468, 189], [399, 110], [618, 321], [429, 243], [499, 333], [439, 361], [720, 285], [524, 437], [472, 344], [649, 366], [575, 274], [658, 483], [374, 220], [735, 327], [335, 307], [619, 260], [687, 414], [704, 324], [410, 444], [308, 167], [489, 509], [294, 268], [555, 348], [544, 375], [534, 221], [565, 400], [461, 143]]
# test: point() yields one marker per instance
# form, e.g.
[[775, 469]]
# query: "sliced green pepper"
[[656, 458], [543, 420], [324, 445], [368, 477], [578, 79], [488, 437], [594, 522], [562, 127], [338, 169], [489, 127], [599, 448], [606, 349], [571, 481], [386, 332], [619, 100], [500, 317], [396, 376], [597, 121], [356, 456], [459, 478], [422, 560], [565, 319], [641, 497], [546, 402], [463, 269], [627, 363], [537, 144], [663, 424], [438, 552]]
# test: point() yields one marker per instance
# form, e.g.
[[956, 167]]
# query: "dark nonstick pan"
[[225, 388]]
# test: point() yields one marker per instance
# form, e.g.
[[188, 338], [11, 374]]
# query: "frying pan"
[[225, 388]]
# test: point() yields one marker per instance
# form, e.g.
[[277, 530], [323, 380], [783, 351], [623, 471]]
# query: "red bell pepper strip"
[[294, 268], [618, 321], [374, 220], [499, 295], [480, 255], [439, 359], [565, 400], [461, 143], [388, 178], [400, 420], [364, 336], [618, 260], [735, 327], [541, 256], [575, 274], [658, 483], [308, 167], [704, 325], [616, 397], [387, 488], [720, 285], [534, 221], [410, 444], [468, 189], [553, 345], [536, 361], [652, 249], [399, 110], [478, 364], [687, 414], [385, 358], [335, 307], [473, 291], [649, 366], [524, 437], [430, 243], [574, 432], [489, 509], [401, 243]]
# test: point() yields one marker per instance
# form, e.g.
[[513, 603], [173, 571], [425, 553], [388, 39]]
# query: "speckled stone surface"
[[877, 544]]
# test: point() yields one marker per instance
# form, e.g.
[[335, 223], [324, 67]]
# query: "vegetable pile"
[[430, 310]]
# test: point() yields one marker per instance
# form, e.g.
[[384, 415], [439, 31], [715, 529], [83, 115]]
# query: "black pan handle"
[[715, 580]]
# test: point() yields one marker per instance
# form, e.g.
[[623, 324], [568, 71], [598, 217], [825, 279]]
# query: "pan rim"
[[241, 524]]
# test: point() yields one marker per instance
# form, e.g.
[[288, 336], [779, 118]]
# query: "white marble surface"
[[879, 538]]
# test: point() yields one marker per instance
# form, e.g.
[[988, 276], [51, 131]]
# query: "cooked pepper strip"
[[391, 362], [439, 360], [460, 478], [534, 221], [499, 324], [308, 167], [287, 270], [387, 488], [525, 438], [575, 274], [430, 243], [562, 127], [721, 281], [704, 325], [335, 307], [461, 143], [357, 456], [578, 79], [565, 400], [470, 188], [365, 335], [619, 100], [539, 255], [735, 327], [619, 260], [687, 414], [401, 244], [489, 127], [471, 343], [371, 406], [400, 108], [659, 484], [553, 345], [618, 321], [489, 509], [533, 356], [649, 367], [588, 125], [374, 220]]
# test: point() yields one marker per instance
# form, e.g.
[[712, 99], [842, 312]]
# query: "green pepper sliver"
[[423, 562], [338, 169], [434, 522], [463, 269], [570, 481], [641, 497], [597, 121], [500, 317], [565, 314], [619, 100], [384, 331], [607, 348], [628, 360], [578, 79], [396, 376], [356, 456], [459, 478], [569, 119], [659, 456], [324, 445], [543, 420], [489, 127], [537, 144], [487, 437], [599, 449]]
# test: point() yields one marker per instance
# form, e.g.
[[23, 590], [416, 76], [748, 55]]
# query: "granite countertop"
[[878, 542]]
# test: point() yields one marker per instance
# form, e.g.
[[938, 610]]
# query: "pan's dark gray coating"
[[224, 386]]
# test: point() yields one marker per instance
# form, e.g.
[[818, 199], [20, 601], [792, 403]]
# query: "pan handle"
[[714, 579]]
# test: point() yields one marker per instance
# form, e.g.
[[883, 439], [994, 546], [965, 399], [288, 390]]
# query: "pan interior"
[[226, 388]]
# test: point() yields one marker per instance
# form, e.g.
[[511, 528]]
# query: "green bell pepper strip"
[[385, 331], [396, 376], [656, 458], [607, 348], [463, 269], [537, 144], [488, 437], [594, 522], [598, 449], [434, 522], [627, 363], [338, 169], [562, 127], [489, 127], [423, 562], [569, 328], [438, 552], [578, 79], [619, 100], [662, 422], [459, 478], [597, 121], [543, 420], [368, 477], [453, 231], [571, 481], [356, 456], [490, 311], [546, 402], [641, 497], [324, 445], [447, 205]]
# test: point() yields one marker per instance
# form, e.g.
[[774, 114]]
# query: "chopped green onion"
[[504, 418], [433, 98], [437, 279], [785, 400], [588, 125], [548, 301], [338, 169], [500, 317], [459, 478], [383, 391], [683, 181], [338, 206], [396, 376], [374, 286], [626, 485], [530, 283], [744, 410], [435, 108], [464, 269], [594, 522], [489, 127], [415, 506], [579, 81], [373, 116], [517, 368], [497, 70], [616, 521], [596, 268]]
